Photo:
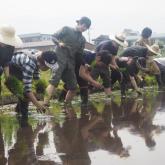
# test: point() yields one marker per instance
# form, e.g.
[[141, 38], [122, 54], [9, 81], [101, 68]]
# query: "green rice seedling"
[[15, 86]]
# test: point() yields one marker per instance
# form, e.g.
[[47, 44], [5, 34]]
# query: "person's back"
[[134, 51], [24, 67], [160, 60], [107, 45]]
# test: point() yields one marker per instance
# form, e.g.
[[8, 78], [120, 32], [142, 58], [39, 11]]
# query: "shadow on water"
[[128, 131]]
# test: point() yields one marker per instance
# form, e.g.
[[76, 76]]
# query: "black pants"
[[22, 107], [122, 78]]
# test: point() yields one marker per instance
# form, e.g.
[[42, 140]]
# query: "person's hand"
[[58, 43], [45, 104], [61, 44], [41, 108], [96, 84]]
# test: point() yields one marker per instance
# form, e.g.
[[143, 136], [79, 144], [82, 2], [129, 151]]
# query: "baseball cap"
[[85, 20]]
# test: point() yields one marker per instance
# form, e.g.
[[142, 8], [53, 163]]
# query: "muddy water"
[[116, 132]]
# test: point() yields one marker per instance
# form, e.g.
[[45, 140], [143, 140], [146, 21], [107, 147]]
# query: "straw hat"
[[120, 39], [8, 36], [154, 49]]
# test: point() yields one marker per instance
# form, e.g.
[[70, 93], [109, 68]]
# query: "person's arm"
[[49, 92], [83, 72], [85, 130], [27, 81], [113, 64], [58, 37], [134, 84], [33, 99], [60, 33], [6, 71]]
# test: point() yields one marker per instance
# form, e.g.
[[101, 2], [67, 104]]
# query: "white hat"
[[8, 36], [120, 39], [154, 49]]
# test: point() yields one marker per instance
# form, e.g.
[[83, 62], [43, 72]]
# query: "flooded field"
[[129, 131]]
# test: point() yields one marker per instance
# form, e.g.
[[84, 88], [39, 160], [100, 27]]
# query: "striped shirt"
[[29, 68]]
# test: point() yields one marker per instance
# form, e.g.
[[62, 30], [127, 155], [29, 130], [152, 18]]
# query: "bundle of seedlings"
[[15, 86]]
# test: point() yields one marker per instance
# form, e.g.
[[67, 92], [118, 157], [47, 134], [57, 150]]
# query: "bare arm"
[[84, 73], [49, 92], [113, 64], [134, 84], [6, 71], [34, 100]]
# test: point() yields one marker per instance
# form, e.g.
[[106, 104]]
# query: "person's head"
[[146, 33], [120, 40], [47, 60], [83, 24], [8, 41], [103, 57]]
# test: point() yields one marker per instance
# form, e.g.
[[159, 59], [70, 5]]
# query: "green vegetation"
[[150, 80], [9, 125], [15, 86], [40, 85]]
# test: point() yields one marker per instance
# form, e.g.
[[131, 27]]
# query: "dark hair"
[[49, 56], [6, 53], [86, 21], [106, 57], [146, 32]]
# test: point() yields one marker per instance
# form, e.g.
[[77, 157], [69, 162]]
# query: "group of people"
[[72, 64]]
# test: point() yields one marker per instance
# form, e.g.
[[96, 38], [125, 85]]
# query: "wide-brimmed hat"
[[120, 39], [154, 49], [8, 36]]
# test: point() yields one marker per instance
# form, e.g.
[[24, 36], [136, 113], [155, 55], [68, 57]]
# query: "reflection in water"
[[42, 141], [68, 140], [138, 115], [3, 160], [100, 134], [97, 134], [23, 151]]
